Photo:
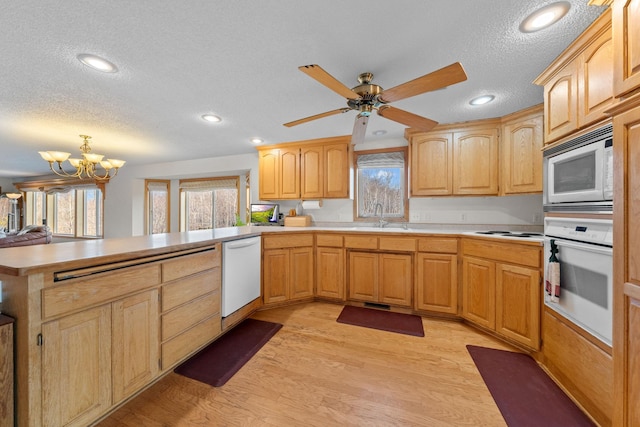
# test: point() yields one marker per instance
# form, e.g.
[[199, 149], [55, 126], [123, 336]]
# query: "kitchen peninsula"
[[75, 302]]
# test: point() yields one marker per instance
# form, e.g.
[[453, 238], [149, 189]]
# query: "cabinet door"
[[478, 291], [289, 173], [595, 80], [275, 279], [475, 157], [363, 276], [135, 343], [396, 279], [561, 103], [311, 172], [76, 368], [301, 276], [437, 283], [330, 273], [336, 171], [522, 156], [626, 45], [432, 164], [632, 359], [518, 294], [269, 174]]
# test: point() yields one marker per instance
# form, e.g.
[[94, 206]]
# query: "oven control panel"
[[599, 231]]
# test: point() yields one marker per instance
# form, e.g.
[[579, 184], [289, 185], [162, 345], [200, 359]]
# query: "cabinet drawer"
[[190, 264], [331, 240], [503, 252], [83, 292], [287, 241], [189, 341], [181, 291], [182, 318], [397, 244], [438, 245], [361, 242]]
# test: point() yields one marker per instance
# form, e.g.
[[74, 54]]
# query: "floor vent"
[[376, 305]]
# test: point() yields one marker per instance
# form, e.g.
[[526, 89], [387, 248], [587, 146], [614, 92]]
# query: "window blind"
[[381, 160], [209, 184]]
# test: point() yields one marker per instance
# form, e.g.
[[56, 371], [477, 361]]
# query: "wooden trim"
[[345, 139]]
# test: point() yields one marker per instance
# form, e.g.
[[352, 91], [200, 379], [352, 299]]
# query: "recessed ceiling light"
[[257, 140], [379, 132], [481, 100], [211, 118], [97, 63], [545, 17]]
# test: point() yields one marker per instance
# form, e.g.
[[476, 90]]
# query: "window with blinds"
[[381, 183], [208, 203]]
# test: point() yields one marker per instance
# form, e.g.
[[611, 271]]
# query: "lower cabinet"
[[76, 374], [330, 280], [288, 268], [503, 297], [437, 282], [381, 277]]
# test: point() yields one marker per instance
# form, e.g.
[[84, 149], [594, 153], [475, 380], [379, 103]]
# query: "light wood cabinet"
[[475, 161], [76, 374], [279, 173], [6, 371], [457, 159], [578, 85], [436, 287], [432, 164], [305, 169], [626, 269], [134, 343], [330, 271], [381, 278], [521, 152], [288, 267], [626, 46], [499, 295]]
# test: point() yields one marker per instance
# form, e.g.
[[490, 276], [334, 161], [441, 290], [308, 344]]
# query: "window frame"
[[405, 186], [182, 217], [147, 205]]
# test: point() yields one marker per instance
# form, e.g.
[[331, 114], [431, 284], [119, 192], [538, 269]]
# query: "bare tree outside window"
[[158, 201], [5, 208], [209, 203], [381, 181], [64, 213]]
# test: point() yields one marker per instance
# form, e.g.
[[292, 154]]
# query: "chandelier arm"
[[63, 172]]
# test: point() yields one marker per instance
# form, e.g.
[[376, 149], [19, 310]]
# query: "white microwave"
[[583, 172]]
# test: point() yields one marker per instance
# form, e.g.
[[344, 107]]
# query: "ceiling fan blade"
[[359, 129], [321, 76], [406, 118], [317, 116], [443, 77]]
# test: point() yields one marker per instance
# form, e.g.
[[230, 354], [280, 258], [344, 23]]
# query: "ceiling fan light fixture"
[[211, 118], [481, 100], [544, 17], [97, 63]]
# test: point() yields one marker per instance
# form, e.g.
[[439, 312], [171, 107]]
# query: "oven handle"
[[581, 246]]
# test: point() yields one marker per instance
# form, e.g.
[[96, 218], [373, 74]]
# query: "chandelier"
[[86, 167]]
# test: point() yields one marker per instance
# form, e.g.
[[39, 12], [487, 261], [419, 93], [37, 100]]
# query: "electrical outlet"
[[537, 218], [414, 216], [463, 217], [426, 216]]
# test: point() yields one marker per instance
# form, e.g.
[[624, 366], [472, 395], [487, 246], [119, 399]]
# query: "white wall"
[[6, 184]]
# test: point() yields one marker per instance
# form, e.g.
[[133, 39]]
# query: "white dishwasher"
[[240, 273]]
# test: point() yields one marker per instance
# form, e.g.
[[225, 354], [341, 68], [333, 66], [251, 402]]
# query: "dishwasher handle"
[[243, 243]]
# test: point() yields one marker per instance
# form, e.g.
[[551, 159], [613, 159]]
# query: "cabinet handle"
[[39, 340]]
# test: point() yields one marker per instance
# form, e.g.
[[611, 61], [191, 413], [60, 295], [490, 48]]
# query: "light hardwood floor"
[[317, 372]]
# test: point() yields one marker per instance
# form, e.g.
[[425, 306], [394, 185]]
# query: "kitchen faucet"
[[381, 221]]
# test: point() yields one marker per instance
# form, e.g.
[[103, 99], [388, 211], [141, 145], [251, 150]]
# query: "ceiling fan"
[[367, 97]]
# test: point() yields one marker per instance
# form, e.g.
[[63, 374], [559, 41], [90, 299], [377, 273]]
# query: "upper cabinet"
[[578, 85], [305, 170], [626, 46], [521, 152], [456, 159]]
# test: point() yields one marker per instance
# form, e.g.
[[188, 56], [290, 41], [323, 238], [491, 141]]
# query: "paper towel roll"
[[311, 204]]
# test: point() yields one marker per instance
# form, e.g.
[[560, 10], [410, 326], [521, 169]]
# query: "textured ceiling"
[[239, 59]]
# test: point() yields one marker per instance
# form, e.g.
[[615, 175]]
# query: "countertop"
[[20, 261]]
